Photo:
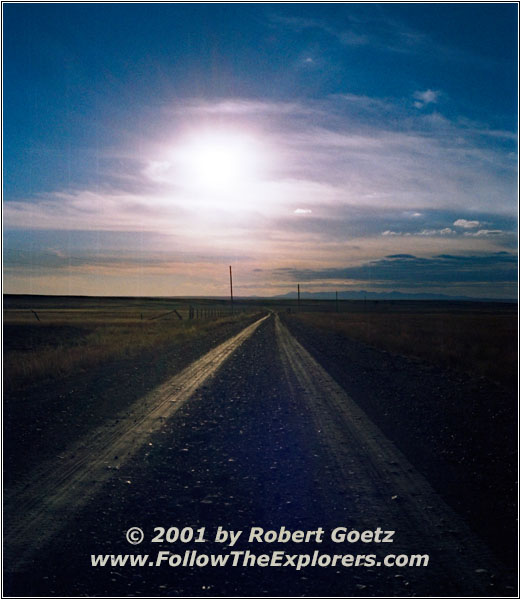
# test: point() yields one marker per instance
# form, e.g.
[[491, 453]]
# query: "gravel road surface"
[[266, 439]]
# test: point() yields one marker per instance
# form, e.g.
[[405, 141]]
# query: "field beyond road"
[[478, 338], [46, 337]]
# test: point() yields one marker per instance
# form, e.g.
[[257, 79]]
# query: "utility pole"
[[336, 301], [298, 296], [231, 288]]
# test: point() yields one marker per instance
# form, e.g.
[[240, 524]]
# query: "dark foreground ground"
[[43, 418], [459, 431], [244, 452]]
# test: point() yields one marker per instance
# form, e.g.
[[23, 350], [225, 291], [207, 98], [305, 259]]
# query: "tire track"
[[388, 488], [40, 505]]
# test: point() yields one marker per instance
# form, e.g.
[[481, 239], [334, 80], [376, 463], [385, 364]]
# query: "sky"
[[350, 146]]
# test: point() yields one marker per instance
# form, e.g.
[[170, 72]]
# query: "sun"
[[219, 161]]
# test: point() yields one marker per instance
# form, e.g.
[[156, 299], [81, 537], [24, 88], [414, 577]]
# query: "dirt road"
[[256, 433], [62, 488]]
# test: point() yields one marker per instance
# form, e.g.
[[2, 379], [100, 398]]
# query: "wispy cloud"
[[380, 32], [444, 231], [484, 233], [357, 30], [425, 97], [236, 107]]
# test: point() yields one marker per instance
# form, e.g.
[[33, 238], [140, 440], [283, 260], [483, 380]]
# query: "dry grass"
[[483, 343], [67, 341]]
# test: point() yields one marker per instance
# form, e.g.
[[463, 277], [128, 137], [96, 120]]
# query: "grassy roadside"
[[482, 343], [65, 380], [63, 345]]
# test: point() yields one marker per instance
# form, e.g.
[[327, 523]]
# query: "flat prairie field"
[[478, 338]]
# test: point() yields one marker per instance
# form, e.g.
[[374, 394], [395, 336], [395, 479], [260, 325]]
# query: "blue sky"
[[148, 146]]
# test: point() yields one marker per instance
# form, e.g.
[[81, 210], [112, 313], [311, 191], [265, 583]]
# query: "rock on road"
[[268, 440]]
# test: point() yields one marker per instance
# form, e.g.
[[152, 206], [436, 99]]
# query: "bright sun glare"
[[219, 162]]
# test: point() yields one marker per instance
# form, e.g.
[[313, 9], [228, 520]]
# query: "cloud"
[[352, 38], [235, 107], [426, 97], [376, 105], [483, 233], [88, 210], [381, 33], [466, 224], [302, 211], [399, 270], [148, 262], [347, 36], [444, 231]]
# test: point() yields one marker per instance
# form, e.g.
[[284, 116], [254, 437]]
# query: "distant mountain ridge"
[[342, 295], [363, 295]]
